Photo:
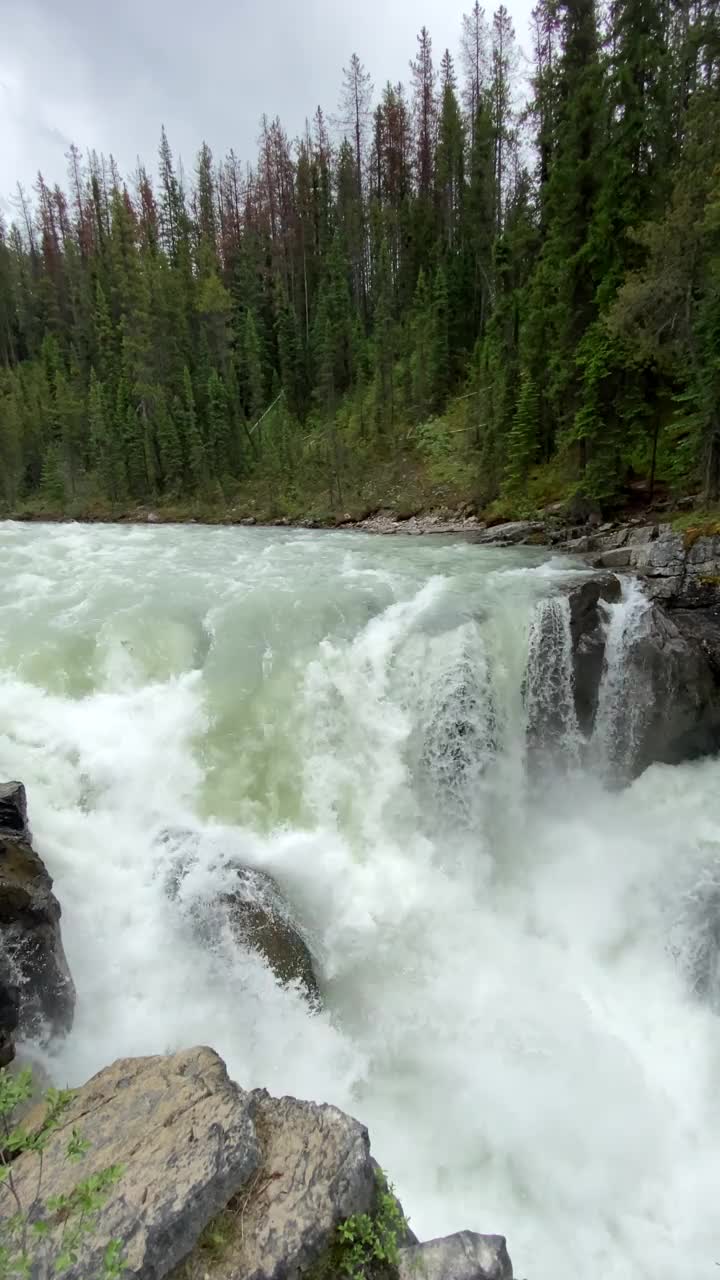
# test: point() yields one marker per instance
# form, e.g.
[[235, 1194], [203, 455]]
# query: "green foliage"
[[27, 1238], [570, 291], [365, 1246]]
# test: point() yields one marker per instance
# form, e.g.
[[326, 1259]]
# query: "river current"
[[506, 953]]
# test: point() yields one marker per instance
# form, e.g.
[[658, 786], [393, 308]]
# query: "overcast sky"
[[107, 74]]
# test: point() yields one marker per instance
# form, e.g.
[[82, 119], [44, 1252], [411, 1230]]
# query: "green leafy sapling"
[[29, 1241]]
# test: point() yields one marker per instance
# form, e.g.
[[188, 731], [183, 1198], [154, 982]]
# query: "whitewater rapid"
[[507, 956]]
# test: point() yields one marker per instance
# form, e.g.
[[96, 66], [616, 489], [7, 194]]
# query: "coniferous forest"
[[502, 274]]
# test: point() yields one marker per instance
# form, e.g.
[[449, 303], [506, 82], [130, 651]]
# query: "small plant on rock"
[[365, 1246], [28, 1242]]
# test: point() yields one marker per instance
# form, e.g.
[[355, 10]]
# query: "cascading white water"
[[507, 968], [550, 694], [625, 695]]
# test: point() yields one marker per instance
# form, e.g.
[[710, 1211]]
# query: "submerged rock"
[[251, 903], [37, 995], [462, 1256]]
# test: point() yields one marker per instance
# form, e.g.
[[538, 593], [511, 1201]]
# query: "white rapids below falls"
[[503, 954]]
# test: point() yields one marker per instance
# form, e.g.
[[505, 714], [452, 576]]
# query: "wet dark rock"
[[670, 709], [587, 628], [252, 904], [676, 687], [9, 1018], [37, 995], [13, 808]]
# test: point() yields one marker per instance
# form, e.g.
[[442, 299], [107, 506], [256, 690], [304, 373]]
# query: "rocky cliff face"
[[37, 996], [275, 1176], [671, 658], [679, 570]]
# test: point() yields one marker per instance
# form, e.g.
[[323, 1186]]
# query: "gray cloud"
[[107, 76]]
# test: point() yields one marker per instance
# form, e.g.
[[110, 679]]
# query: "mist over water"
[[518, 966]]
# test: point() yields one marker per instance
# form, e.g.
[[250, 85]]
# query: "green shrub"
[[365, 1246], [27, 1240]]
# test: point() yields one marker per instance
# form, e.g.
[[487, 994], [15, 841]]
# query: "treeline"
[[555, 262]]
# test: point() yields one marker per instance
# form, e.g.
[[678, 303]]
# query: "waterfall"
[[510, 974], [625, 696], [457, 728], [553, 733]]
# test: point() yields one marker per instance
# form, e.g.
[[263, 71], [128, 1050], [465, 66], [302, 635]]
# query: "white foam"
[[504, 1003]]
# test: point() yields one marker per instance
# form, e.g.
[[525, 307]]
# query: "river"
[[505, 954]]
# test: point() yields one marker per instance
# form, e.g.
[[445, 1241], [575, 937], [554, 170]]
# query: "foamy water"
[[509, 968]]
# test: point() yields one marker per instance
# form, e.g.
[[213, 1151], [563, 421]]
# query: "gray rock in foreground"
[[37, 995], [463, 1256], [185, 1136], [274, 1176], [316, 1170]]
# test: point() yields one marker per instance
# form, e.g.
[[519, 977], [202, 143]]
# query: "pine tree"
[[11, 450], [439, 354], [191, 441], [421, 354], [170, 454], [252, 377], [105, 453], [218, 433]]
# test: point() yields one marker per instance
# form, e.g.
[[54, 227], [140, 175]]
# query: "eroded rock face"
[[316, 1171], [9, 1017], [587, 629], [186, 1138], [677, 691], [668, 708], [252, 904], [462, 1256], [36, 989], [680, 570]]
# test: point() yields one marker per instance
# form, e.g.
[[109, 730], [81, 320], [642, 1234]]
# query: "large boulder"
[[37, 994], [511, 533], [186, 1141], [462, 1256], [316, 1171], [251, 904]]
